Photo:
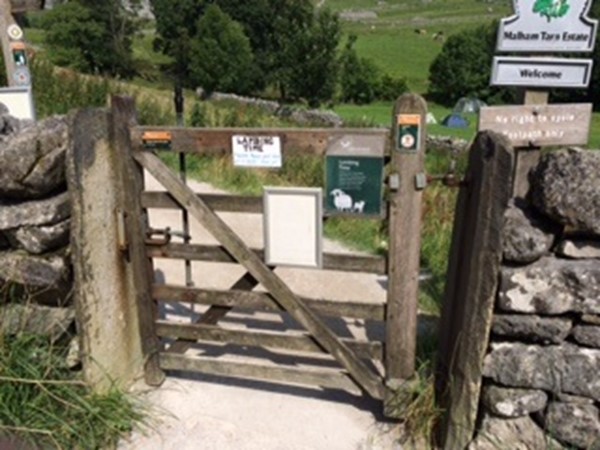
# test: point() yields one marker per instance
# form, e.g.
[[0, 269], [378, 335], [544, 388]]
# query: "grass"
[[42, 402]]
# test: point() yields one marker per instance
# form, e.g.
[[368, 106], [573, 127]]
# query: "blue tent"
[[455, 120]]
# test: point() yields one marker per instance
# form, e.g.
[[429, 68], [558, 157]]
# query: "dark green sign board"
[[354, 185]]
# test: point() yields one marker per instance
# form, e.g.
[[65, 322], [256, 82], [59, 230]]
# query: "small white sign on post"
[[539, 125], [548, 26], [19, 101], [256, 151], [541, 72], [293, 226]]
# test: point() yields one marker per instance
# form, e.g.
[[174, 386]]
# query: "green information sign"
[[354, 185]]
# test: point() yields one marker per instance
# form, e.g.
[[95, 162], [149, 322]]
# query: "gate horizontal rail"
[[327, 378], [300, 342], [264, 302], [217, 141], [213, 253]]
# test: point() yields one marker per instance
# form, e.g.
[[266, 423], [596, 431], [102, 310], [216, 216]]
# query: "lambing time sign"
[[548, 26]]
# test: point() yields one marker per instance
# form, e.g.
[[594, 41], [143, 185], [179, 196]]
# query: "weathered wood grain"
[[124, 116], [362, 374], [472, 280], [300, 343], [331, 261], [290, 375], [404, 251], [217, 141], [264, 302]]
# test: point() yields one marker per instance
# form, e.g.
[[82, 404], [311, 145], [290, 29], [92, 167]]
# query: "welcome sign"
[[548, 26]]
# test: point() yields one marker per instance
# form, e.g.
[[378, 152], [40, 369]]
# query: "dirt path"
[[198, 412]]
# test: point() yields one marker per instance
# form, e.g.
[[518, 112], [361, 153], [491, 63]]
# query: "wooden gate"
[[377, 367]]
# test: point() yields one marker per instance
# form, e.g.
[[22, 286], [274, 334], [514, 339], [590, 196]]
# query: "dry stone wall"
[[542, 371], [35, 209]]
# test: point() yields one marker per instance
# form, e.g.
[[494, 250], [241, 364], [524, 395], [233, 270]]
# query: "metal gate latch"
[[166, 234]]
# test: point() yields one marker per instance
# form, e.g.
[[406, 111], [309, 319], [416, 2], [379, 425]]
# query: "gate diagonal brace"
[[215, 313], [357, 369]]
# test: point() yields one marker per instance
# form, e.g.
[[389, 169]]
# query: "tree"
[[463, 68], [359, 76], [220, 56], [91, 36], [314, 69], [293, 50]]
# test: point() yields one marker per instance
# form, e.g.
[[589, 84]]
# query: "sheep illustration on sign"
[[344, 203]]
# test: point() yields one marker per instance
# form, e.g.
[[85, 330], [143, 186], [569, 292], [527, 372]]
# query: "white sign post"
[[548, 26], [541, 72]]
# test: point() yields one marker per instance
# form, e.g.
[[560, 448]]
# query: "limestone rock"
[[551, 286], [35, 212], [590, 319], [515, 434], [4, 242], [10, 125], [532, 328], [565, 368], [566, 398], [575, 425], [41, 279], [524, 237], [36, 319], [565, 188], [588, 335], [579, 249], [32, 162], [38, 240], [512, 402]]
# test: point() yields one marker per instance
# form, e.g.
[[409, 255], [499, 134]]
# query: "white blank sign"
[[19, 101], [293, 226]]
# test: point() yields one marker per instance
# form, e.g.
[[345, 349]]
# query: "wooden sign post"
[[538, 29], [6, 20], [408, 167]]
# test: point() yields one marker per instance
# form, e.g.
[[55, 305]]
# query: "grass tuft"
[[44, 404]]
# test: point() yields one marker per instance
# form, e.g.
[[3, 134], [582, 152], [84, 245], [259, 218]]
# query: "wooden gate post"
[[139, 266], [6, 19], [471, 286], [406, 185], [111, 307]]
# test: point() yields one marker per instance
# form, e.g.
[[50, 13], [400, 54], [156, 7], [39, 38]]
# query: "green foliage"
[[362, 82], [42, 402], [463, 68], [314, 69], [359, 76], [292, 51], [221, 57], [57, 92], [90, 36]]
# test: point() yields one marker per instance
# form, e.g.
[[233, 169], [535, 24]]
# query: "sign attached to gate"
[[256, 151], [541, 72], [539, 125], [548, 26], [293, 226], [157, 140], [354, 175], [409, 133], [354, 185]]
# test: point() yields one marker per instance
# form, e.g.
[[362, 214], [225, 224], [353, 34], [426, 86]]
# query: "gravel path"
[[195, 412]]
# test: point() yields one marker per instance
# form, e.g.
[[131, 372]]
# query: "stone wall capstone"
[[542, 371]]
